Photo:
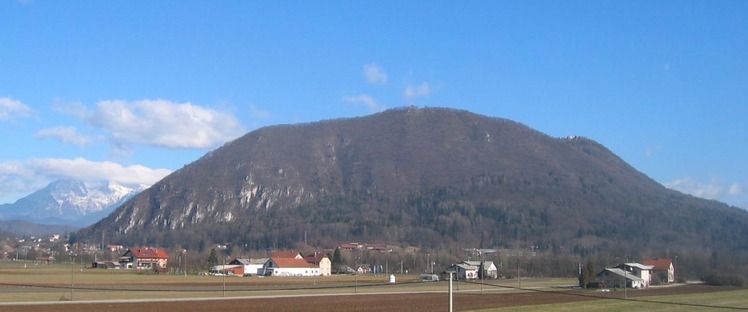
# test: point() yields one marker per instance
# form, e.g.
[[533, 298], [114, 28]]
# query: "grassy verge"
[[713, 301]]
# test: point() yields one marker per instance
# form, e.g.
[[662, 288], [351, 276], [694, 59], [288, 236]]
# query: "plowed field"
[[364, 302]]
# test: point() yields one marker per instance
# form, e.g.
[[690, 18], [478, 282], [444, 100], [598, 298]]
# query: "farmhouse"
[[639, 270], [250, 267], [462, 271], [663, 269], [227, 269], [618, 278], [486, 269], [144, 258], [320, 260], [289, 267]]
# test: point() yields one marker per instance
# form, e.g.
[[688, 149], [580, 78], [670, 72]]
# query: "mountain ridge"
[[423, 177], [69, 202]]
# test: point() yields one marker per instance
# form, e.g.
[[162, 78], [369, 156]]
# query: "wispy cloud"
[[258, 113], [711, 190], [23, 177], [161, 123], [736, 190], [651, 150], [67, 135], [416, 91], [375, 74], [11, 109], [372, 104]]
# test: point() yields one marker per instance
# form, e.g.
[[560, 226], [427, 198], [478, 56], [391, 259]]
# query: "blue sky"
[[132, 90]]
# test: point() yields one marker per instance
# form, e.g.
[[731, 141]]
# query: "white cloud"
[[67, 135], [375, 74], [163, 123], [258, 113], [651, 150], [19, 178], [372, 104], [736, 190], [10, 109], [416, 91], [712, 190]]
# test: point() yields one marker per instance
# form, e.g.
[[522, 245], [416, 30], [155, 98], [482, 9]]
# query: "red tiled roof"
[[284, 254], [315, 258], [153, 253], [292, 263], [659, 264]]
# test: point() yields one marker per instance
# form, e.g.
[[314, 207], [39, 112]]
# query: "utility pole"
[[450, 290]]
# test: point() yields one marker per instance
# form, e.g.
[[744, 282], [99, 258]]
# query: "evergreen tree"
[[337, 258], [587, 275], [213, 257]]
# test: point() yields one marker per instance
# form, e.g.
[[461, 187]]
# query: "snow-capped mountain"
[[69, 202]]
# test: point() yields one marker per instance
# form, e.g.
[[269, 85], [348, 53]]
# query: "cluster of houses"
[[285, 263], [280, 263], [472, 270], [631, 275], [637, 275], [137, 258]]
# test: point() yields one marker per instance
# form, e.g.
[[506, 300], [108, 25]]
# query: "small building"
[[350, 246], [362, 269], [463, 271], [251, 267], [227, 269], [429, 277], [639, 270], [144, 258], [289, 267], [320, 260], [662, 269], [618, 278], [45, 260], [486, 269]]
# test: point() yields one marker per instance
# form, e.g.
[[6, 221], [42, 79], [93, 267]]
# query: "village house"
[[144, 258], [289, 267], [321, 261], [462, 271], [662, 269], [629, 275], [639, 270], [486, 269], [250, 267]]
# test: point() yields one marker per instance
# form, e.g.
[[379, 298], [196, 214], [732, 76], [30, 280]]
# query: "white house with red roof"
[[320, 260], [289, 267], [144, 258], [663, 269]]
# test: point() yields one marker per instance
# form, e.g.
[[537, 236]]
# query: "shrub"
[[722, 279]]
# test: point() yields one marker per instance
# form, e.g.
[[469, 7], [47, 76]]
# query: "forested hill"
[[420, 177]]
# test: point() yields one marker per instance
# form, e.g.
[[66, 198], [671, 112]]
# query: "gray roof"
[[639, 266], [259, 260], [622, 273], [466, 266], [478, 263]]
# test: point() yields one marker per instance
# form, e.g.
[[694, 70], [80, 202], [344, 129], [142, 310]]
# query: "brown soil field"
[[367, 302]]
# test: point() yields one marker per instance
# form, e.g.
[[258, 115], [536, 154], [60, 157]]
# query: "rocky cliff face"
[[414, 176]]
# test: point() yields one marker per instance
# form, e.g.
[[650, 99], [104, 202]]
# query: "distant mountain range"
[[434, 178], [68, 202]]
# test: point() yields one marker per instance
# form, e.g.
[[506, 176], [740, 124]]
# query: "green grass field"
[[713, 301], [19, 283]]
